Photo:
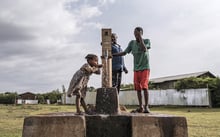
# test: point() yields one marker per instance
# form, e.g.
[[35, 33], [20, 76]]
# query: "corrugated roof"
[[26, 93], [178, 77]]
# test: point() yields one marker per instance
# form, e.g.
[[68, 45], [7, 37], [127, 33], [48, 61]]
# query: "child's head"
[[139, 29], [114, 38], [92, 59]]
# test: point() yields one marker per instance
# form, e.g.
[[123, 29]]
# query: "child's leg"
[[146, 97], [138, 88], [83, 103], [77, 104], [140, 100]]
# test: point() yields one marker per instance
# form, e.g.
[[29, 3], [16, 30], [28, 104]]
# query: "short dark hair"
[[139, 29], [91, 56], [114, 34]]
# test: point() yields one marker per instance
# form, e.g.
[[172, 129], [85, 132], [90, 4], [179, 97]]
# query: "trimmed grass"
[[202, 122]]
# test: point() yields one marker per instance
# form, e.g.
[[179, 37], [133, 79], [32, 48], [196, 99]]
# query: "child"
[[140, 50], [118, 65], [78, 84]]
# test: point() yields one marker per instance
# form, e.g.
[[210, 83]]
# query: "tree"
[[91, 89], [53, 96], [41, 99], [8, 98]]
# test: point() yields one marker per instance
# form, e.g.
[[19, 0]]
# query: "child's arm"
[[89, 69], [143, 47], [98, 69], [119, 54]]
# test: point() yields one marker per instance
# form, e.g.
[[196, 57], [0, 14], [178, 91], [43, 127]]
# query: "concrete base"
[[124, 125], [54, 125], [107, 101]]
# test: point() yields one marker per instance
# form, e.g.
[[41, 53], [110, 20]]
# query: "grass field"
[[202, 122]]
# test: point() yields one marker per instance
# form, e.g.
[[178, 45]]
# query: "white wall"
[[189, 97], [20, 101]]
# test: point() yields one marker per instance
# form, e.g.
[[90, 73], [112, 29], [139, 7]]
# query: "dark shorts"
[[116, 79]]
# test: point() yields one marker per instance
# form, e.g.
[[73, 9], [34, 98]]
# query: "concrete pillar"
[[107, 101], [107, 97]]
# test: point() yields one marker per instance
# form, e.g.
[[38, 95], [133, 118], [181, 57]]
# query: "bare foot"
[[69, 95], [138, 110], [146, 109], [79, 113]]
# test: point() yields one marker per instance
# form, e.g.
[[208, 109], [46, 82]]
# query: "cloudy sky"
[[43, 42]]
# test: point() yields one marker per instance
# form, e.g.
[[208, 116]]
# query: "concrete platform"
[[123, 125], [54, 125]]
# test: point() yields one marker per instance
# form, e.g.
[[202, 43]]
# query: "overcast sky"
[[44, 42]]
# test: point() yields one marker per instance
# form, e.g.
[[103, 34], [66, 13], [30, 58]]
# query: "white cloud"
[[87, 12], [44, 42]]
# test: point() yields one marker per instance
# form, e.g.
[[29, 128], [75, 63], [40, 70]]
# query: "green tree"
[[8, 98], [91, 89], [53, 96], [41, 99]]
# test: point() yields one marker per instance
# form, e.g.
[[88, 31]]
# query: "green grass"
[[202, 122], [12, 117]]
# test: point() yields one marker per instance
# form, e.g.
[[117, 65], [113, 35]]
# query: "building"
[[27, 98], [169, 81]]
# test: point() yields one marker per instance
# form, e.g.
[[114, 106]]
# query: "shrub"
[[8, 98]]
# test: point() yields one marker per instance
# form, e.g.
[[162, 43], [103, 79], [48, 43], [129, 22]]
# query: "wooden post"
[[106, 60]]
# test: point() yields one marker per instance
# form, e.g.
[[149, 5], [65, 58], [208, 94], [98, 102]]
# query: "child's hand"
[[99, 65], [126, 71], [139, 37], [102, 57]]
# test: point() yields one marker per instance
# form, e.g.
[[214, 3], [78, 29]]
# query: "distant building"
[[169, 82], [27, 98]]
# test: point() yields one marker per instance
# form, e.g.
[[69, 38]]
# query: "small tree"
[[214, 89], [54, 96], [91, 89], [41, 99]]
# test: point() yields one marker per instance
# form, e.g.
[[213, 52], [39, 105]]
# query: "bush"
[[8, 98], [41, 99], [193, 82], [52, 96]]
